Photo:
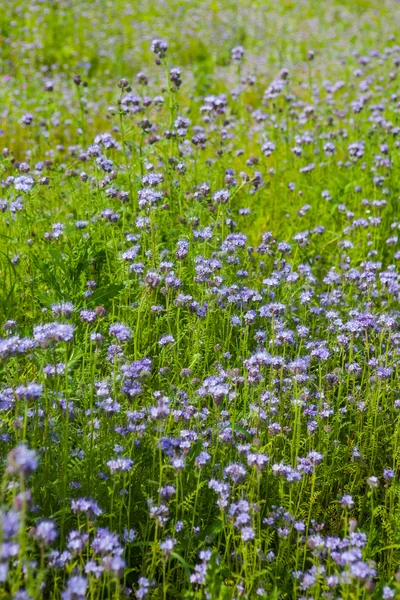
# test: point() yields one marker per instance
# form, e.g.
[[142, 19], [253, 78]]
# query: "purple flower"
[[97, 338], [105, 542], [46, 532], [77, 541], [221, 197], [237, 53], [159, 512], [347, 501], [114, 565], [53, 332], [167, 492], [167, 546], [129, 535], [152, 280], [182, 250], [63, 308], [120, 464], [76, 588], [21, 460], [178, 463], [202, 459], [51, 370], [321, 353], [58, 560], [94, 568], [159, 47], [388, 474], [31, 391], [179, 526], [88, 316], [87, 506], [166, 340], [120, 331], [258, 460], [9, 524], [143, 589], [236, 472]]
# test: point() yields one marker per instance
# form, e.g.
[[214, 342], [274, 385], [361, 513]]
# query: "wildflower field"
[[199, 299]]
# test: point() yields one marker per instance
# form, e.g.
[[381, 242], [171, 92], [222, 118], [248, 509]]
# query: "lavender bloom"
[[236, 472], [143, 589], [77, 541], [64, 309], [94, 568], [22, 461], [46, 532], [97, 338], [152, 179], [3, 572], [291, 475], [32, 391], [159, 47], [105, 542], [167, 492], [222, 489], [166, 340], [322, 353], [104, 163], [152, 280], [147, 198], [58, 560], [234, 241], [237, 53], [161, 411], [9, 524], [114, 352], [221, 197], [88, 316], [202, 459], [52, 333], [167, 546], [120, 331], [347, 501], [87, 506], [120, 464], [373, 482], [24, 183], [129, 535], [268, 148], [15, 345], [114, 565], [388, 474], [159, 512], [183, 249], [175, 76], [52, 370], [76, 588], [258, 460], [178, 463]]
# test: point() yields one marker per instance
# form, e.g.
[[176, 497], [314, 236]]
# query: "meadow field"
[[199, 299]]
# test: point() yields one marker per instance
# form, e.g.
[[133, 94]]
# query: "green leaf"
[[242, 430], [107, 293], [182, 561]]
